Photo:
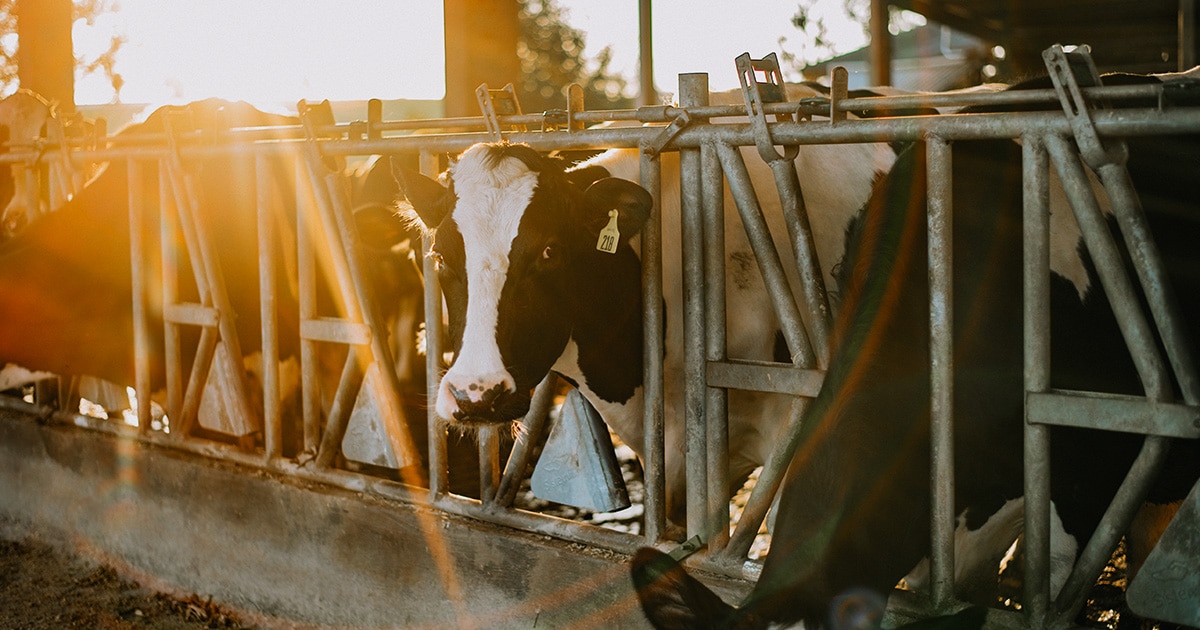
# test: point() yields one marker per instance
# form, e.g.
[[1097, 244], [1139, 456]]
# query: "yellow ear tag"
[[609, 236]]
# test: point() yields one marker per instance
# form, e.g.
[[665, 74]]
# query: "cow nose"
[[477, 400]]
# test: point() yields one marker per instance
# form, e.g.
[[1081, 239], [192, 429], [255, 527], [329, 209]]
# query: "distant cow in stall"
[[854, 510], [66, 278], [515, 238], [23, 117]]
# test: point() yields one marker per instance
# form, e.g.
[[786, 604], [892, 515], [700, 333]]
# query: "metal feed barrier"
[[707, 138]]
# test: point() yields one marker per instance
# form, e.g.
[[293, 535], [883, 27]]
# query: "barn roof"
[[1125, 35]]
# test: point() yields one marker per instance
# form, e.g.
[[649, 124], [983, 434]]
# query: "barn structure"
[[346, 511]]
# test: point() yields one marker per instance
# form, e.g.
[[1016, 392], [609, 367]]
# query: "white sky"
[[284, 50]]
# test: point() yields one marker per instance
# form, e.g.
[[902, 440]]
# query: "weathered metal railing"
[[710, 157]]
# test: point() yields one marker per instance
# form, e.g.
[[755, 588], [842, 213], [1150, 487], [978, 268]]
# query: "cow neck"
[[607, 327]]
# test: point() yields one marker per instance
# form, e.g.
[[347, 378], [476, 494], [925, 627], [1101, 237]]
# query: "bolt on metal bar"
[[1036, 178], [717, 402], [941, 355], [693, 90]]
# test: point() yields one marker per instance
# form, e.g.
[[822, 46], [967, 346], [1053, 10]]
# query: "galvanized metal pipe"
[[268, 308], [769, 263], [1151, 368], [534, 428], [1152, 273], [653, 348], [717, 402], [941, 369], [306, 227], [693, 90], [1036, 178], [138, 280], [168, 230], [812, 281], [439, 476]]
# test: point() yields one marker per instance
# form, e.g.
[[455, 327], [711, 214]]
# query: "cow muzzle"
[[478, 403]]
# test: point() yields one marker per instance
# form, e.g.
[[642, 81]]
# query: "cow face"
[[514, 240]]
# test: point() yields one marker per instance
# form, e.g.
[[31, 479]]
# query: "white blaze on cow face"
[[492, 196]]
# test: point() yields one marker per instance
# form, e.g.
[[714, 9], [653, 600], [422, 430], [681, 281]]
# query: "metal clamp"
[[656, 145], [496, 103], [1070, 71], [757, 94]]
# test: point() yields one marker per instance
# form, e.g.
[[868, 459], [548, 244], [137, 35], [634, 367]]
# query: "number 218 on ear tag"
[[609, 236]]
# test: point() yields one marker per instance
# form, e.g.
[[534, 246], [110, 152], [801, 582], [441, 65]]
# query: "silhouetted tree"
[[552, 56]]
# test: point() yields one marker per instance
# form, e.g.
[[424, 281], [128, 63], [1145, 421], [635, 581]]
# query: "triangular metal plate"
[[219, 409], [578, 466], [366, 439], [1168, 585]]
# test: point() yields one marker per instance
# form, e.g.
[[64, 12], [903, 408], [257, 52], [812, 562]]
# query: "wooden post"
[[481, 47], [881, 44], [45, 55]]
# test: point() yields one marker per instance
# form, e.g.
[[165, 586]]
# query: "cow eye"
[[549, 253]]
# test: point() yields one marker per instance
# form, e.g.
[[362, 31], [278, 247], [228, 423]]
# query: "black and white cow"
[[515, 238], [854, 513]]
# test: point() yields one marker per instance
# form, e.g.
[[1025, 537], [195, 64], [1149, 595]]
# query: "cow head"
[[515, 242]]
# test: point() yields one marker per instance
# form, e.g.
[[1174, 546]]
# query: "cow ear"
[[429, 199], [587, 175], [631, 202], [379, 226]]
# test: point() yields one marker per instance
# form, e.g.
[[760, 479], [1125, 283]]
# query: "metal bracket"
[[1070, 71], [496, 103], [668, 133], [757, 94]]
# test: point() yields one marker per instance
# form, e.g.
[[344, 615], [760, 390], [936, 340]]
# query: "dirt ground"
[[42, 587]]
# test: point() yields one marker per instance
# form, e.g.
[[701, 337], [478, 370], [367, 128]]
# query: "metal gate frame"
[[709, 156]]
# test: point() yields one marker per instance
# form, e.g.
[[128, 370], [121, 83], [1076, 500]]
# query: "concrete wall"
[[294, 552]]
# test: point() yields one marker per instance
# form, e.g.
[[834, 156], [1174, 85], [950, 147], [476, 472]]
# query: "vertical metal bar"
[[693, 91], [268, 300], [306, 224], [439, 476], [1036, 178], [489, 462], [654, 475], [941, 330], [717, 449], [138, 280], [169, 235], [769, 263], [647, 95]]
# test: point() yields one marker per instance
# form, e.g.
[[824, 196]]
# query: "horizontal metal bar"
[[763, 376], [335, 330], [950, 127], [1129, 414], [191, 314]]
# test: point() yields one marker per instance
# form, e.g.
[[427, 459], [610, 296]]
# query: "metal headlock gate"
[[708, 141]]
